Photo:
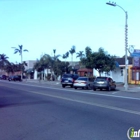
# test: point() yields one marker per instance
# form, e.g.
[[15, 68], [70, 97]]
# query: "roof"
[[85, 70], [121, 61]]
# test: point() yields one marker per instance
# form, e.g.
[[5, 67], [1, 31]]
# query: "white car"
[[83, 82]]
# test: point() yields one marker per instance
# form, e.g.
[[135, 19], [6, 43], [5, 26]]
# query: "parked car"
[[83, 82], [3, 77], [104, 83], [68, 79], [15, 78]]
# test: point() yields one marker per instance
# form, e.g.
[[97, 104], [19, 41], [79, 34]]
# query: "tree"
[[3, 61], [55, 57], [87, 60], [67, 54], [20, 51], [64, 56], [80, 54], [72, 51], [54, 51], [101, 61]]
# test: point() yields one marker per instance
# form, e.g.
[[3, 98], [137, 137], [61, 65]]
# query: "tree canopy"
[[101, 60]]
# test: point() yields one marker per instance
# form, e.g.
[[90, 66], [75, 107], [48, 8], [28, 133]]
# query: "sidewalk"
[[131, 88], [120, 86], [41, 81]]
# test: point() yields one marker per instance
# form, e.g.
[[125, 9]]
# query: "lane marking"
[[83, 102], [83, 92], [88, 103], [115, 92]]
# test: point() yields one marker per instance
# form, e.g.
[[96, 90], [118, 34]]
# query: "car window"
[[101, 79], [82, 78], [67, 76]]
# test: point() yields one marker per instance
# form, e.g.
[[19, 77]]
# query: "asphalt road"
[[34, 112]]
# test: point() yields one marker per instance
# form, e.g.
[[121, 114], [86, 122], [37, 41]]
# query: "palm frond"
[[20, 47], [25, 50]]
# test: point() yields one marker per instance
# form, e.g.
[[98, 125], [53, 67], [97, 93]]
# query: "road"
[[36, 112]]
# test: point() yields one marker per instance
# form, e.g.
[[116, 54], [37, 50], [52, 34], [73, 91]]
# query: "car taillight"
[[84, 82]]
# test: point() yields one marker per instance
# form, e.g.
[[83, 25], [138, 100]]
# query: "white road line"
[[84, 102], [83, 92], [88, 103], [115, 92]]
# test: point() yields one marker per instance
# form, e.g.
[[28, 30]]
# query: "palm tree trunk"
[[21, 66]]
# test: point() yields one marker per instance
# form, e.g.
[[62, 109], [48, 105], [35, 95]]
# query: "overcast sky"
[[43, 25]]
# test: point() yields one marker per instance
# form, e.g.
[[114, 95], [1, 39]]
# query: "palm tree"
[[80, 54], [3, 61], [67, 54], [72, 51], [54, 51], [20, 51], [64, 57], [55, 57]]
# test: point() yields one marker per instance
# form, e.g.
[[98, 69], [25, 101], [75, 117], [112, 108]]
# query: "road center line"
[[93, 104], [81, 92]]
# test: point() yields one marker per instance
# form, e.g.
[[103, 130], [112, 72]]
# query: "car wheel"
[[101, 89], [88, 87], [63, 86], [108, 88], [114, 88], [75, 87], [94, 89], [71, 86]]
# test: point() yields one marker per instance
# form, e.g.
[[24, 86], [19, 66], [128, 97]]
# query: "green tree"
[[72, 51], [101, 61], [65, 56], [80, 54], [3, 61], [20, 51]]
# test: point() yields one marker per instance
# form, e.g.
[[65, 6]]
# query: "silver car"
[[83, 82]]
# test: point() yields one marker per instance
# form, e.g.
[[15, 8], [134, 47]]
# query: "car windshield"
[[67, 75], [101, 79], [82, 78]]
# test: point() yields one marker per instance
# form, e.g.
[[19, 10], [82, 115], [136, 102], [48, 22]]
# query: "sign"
[[136, 62], [136, 53]]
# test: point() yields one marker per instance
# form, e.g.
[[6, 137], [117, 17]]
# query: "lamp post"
[[126, 41]]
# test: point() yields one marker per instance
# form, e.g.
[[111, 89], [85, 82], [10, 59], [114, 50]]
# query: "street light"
[[126, 41]]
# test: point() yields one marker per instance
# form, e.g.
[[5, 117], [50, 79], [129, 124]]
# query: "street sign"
[[136, 53], [136, 62]]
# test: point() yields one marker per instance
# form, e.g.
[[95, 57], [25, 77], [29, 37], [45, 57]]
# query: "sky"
[[43, 25]]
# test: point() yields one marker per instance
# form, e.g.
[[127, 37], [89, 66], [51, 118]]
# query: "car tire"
[[94, 89], [88, 87], [109, 88], [71, 86], [75, 87], [101, 89], [63, 86]]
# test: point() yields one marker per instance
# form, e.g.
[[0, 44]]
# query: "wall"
[[116, 75]]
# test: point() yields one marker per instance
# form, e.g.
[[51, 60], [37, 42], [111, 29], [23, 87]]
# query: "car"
[[15, 78], [68, 79], [104, 83], [3, 77], [83, 82]]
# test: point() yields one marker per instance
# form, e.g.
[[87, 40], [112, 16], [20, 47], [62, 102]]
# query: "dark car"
[[68, 79], [104, 83], [15, 78], [3, 77]]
